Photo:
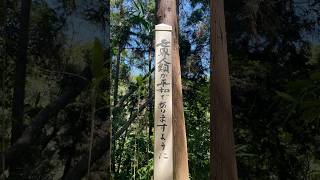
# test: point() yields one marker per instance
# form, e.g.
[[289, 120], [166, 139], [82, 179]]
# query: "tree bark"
[[167, 14], [222, 161], [20, 81], [3, 29], [150, 123], [20, 74]]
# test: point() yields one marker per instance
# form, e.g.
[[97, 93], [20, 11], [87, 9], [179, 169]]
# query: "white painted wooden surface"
[[163, 149]]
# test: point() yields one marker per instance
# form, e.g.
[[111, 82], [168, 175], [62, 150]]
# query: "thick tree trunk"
[[222, 161], [167, 14], [20, 72], [3, 30], [20, 81]]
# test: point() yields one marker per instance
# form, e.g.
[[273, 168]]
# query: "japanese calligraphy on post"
[[163, 156]]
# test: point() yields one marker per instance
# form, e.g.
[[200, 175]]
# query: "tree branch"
[[131, 91]]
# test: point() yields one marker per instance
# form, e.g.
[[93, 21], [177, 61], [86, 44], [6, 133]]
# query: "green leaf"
[[139, 20], [97, 59], [286, 96], [142, 7], [140, 80]]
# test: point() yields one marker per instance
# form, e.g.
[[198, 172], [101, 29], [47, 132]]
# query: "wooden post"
[[163, 155], [167, 14]]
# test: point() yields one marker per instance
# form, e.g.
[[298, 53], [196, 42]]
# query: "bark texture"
[[20, 81], [20, 72], [167, 14], [222, 161]]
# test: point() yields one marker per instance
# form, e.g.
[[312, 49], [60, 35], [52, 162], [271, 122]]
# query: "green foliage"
[[147, 171]]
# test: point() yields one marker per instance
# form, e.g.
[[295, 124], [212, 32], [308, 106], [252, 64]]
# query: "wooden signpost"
[[163, 149]]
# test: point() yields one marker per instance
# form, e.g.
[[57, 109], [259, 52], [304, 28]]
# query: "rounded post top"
[[163, 27]]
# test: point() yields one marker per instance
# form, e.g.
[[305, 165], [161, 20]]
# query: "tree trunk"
[[108, 118], [222, 161], [20, 74], [117, 76], [167, 14], [150, 123], [3, 30], [20, 81]]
